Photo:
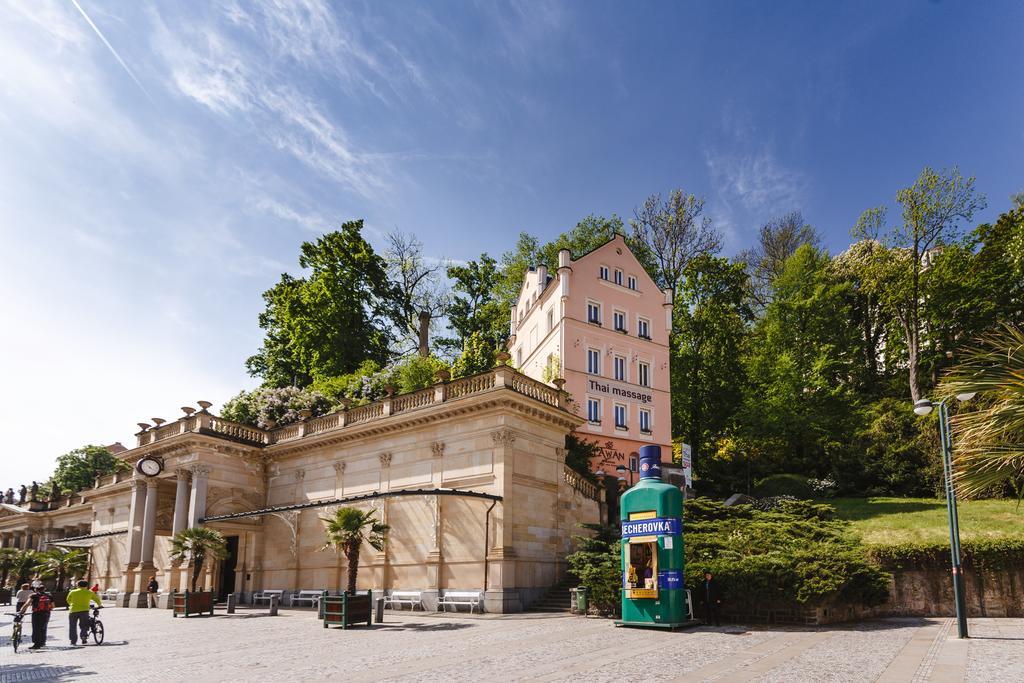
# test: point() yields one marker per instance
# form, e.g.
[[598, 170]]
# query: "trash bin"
[[581, 600]]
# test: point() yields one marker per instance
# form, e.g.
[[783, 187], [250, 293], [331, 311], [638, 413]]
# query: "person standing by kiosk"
[[712, 599]]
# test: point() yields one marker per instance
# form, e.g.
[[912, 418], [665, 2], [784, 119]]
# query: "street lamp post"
[[622, 469], [924, 407]]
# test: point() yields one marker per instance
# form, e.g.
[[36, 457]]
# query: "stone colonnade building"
[[470, 475]]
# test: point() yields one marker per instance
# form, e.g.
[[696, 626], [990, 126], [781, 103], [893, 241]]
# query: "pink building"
[[601, 323]]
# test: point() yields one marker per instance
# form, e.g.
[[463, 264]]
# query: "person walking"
[[151, 590], [79, 600], [23, 596], [712, 599], [42, 604]]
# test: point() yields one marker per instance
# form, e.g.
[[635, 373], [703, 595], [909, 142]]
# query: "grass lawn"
[[900, 520]]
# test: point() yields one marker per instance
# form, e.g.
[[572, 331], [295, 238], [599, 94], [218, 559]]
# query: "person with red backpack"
[[42, 605]]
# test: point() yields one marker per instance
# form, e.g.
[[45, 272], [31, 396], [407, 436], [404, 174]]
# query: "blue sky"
[[153, 182]]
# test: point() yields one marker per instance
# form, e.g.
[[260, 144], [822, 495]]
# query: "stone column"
[[197, 503], [149, 525], [135, 514], [181, 501]]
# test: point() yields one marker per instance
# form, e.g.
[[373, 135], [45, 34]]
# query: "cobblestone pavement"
[[148, 645]]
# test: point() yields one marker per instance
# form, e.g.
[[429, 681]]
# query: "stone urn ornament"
[[559, 383], [503, 357], [204, 406]]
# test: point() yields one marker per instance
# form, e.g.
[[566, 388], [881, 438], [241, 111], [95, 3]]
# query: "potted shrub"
[[346, 531], [197, 543]]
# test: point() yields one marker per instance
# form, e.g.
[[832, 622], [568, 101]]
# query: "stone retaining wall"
[[913, 593]]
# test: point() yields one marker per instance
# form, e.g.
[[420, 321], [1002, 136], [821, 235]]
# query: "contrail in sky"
[[111, 48]]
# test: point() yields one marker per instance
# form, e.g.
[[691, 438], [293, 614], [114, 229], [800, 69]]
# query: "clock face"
[[150, 467]]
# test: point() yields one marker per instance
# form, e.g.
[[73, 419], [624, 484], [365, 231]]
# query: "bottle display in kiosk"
[[651, 513]]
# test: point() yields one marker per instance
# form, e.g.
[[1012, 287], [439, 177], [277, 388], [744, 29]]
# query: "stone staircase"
[[557, 598]]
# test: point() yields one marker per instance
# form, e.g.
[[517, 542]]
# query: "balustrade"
[[440, 393]]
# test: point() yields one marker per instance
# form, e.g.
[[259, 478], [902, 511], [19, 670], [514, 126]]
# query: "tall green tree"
[[799, 358], [77, 469], [7, 559], [709, 326], [327, 323], [932, 209], [474, 306], [347, 530]]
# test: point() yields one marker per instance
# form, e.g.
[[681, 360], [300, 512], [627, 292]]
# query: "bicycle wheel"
[[16, 636], [97, 631]]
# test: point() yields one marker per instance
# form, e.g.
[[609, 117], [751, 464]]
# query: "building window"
[[551, 319], [643, 328], [643, 374], [593, 313], [593, 361], [619, 319], [603, 272], [618, 277], [620, 368], [645, 421], [631, 282], [519, 357], [594, 410], [620, 416], [634, 462]]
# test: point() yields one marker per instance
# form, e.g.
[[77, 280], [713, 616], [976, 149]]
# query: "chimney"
[[424, 349], [542, 277]]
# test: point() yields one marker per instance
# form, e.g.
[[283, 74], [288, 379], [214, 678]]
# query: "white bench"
[[266, 595], [401, 597], [311, 597], [471, 598]]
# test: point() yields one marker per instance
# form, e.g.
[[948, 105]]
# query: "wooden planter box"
[[347, 610], [189, 604]]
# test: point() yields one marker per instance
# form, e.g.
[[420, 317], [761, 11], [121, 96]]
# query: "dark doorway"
[[227, 569]]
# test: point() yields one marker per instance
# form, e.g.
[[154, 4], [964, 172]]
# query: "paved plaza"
[[144, 645]]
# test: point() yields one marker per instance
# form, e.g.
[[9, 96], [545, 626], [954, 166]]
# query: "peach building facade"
[[602, 325]]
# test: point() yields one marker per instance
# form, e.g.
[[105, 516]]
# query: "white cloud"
[[757, 180]]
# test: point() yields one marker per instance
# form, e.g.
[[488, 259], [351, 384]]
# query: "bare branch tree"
[[777, 240], [419, 287], [674, 232]]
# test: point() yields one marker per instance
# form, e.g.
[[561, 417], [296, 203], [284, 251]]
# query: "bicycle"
[[96, 626], [16, 633]]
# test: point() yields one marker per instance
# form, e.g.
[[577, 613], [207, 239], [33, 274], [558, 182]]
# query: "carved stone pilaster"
[[200, 470], [339, 467], [300, 475], [437, 448], [503, 438], [385, 460]]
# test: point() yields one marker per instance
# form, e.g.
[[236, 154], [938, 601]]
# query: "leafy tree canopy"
[[77, 469]]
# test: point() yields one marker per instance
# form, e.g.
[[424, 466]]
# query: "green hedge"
[[796, 485], [985, 555]]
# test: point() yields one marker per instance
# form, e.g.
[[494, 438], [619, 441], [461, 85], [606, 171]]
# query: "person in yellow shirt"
[[79, 600]]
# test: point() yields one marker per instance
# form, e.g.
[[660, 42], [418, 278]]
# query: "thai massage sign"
[[658, 526], [625, 391]]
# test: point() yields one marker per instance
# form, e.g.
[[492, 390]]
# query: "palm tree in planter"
[[62, 564], [24, 565], [347, 530], [198, 542]]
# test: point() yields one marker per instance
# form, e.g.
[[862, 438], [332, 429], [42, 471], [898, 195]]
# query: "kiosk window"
[[642, 572]]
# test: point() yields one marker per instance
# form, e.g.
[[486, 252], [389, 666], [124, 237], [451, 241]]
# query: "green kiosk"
[[651, 512]]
